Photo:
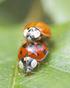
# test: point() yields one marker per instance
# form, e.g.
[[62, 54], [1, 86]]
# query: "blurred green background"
[[14, 14]]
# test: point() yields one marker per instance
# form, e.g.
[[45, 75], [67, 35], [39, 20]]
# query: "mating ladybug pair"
[[34, 50]]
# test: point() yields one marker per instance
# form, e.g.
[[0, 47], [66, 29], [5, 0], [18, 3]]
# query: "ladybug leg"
[[39, 65]]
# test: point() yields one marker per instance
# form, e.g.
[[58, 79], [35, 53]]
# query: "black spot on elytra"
[[20, 52]]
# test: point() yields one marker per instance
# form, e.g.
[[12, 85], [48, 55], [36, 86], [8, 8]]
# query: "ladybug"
[[34, 50], [43, 28], [37, 51]]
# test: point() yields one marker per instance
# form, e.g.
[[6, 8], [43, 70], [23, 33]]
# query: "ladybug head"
[[35, 30], [32, 34]]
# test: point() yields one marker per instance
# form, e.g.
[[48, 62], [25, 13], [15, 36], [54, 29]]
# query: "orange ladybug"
[[35, 49], [43, 27]]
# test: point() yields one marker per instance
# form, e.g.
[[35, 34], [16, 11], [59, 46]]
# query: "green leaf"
[[58, 10], [56, 74]]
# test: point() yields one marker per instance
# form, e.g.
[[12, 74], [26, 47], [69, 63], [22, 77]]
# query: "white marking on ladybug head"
[[32, 34], [25, 32], [20, 64], [33, 63], [35, 32]]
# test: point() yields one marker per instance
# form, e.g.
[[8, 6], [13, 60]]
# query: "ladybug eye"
[[25, 32]]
